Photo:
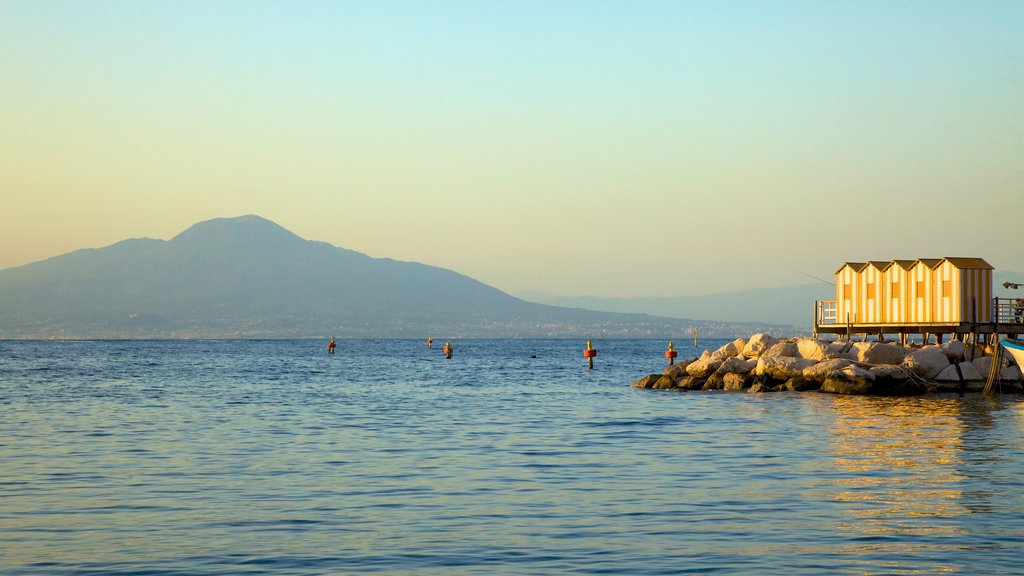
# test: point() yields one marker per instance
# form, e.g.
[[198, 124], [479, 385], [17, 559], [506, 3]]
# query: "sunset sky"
[[627, 148]]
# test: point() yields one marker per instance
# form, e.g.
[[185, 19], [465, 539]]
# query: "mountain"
[[786, 305], [249, 277]]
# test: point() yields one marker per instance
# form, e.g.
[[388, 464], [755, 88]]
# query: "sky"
[[623, 149]]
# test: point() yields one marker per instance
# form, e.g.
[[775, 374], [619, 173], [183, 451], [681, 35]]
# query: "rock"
[[704, 368], [821, 370], [800, 385], [677, 370], [1011, 373], [879, 353], [736, 365], [714, 382], [758, 345], [983, 364], [734, 381], [646, 382], [954, 349], [760, 387], [812, 349], [849, 380], [665, 383], [889, 372], [728, 351], [781, 348], [926, 362], [782, 367], [949, 374], [690, 383]]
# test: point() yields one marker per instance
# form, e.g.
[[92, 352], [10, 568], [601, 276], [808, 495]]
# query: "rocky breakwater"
[[766, 364]]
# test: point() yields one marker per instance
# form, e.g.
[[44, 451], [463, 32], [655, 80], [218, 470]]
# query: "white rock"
[[783, 348], [879, 353], [889, 372], [949, 374], [758, 345], [727, 351], [736, 365], [818, 372], [954, 349], [812, 349], [703, 368], [1011, 373], [926, 362], [782, 367]]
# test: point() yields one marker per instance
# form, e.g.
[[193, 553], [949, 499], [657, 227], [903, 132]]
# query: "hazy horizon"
[[615, 149]]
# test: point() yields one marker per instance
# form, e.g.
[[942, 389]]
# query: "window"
[[895, 289], [947, 288]]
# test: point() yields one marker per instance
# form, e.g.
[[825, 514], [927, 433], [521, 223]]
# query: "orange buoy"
[[671, 353], [589, 354]]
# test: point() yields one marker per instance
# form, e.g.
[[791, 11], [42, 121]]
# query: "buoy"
[[671, 353], [448, 350], [589, 354], [330, 347]]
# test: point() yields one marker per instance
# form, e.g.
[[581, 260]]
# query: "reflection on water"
[[268, 457], [903, 472]]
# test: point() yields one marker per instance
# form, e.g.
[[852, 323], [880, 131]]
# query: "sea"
[[512, 457]]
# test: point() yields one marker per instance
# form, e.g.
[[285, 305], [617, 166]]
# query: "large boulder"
[[734, 381], [714, 382], [758, 345], [729, 350], [689, 383], [849, 380], [704, 368], [984, 364], [736, 365], [665, 383], [954, 349], [879, 353], [818, 372], [926, 362], [800, 385], [785, 348], [647, 381], [1011, 373], [678, 369], [782, 367], [812, 349], [968, 370]]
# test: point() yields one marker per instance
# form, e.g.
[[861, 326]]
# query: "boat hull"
[[1016, 349]]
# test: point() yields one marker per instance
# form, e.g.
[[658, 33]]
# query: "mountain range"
[[786, 305], [249, 277]]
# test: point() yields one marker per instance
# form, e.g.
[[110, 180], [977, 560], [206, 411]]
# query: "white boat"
[[1016, 349]]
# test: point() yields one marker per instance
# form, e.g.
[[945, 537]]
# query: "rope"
[[994, 370]]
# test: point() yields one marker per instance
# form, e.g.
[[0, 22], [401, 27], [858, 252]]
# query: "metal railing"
[[825, 312], [1008, 310]]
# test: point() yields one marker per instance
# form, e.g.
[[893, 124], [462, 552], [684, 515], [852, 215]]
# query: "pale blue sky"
[[607, 148]]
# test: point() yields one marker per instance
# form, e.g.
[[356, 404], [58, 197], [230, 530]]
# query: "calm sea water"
[[271, 457]]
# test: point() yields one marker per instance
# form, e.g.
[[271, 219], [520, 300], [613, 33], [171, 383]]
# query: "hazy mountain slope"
[[789, 305], [250, 277]]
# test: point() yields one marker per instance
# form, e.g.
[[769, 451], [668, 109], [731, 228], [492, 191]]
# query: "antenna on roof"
[[1014, 285]]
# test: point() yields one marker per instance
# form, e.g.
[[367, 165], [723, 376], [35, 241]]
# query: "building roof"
[[857, 266], [905, 264], [968, 263], [963, 263]]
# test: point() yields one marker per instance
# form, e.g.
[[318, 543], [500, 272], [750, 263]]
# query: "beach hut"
[[898, 280], [873, 285], [963, 290], [849, 302], [922, 295]]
